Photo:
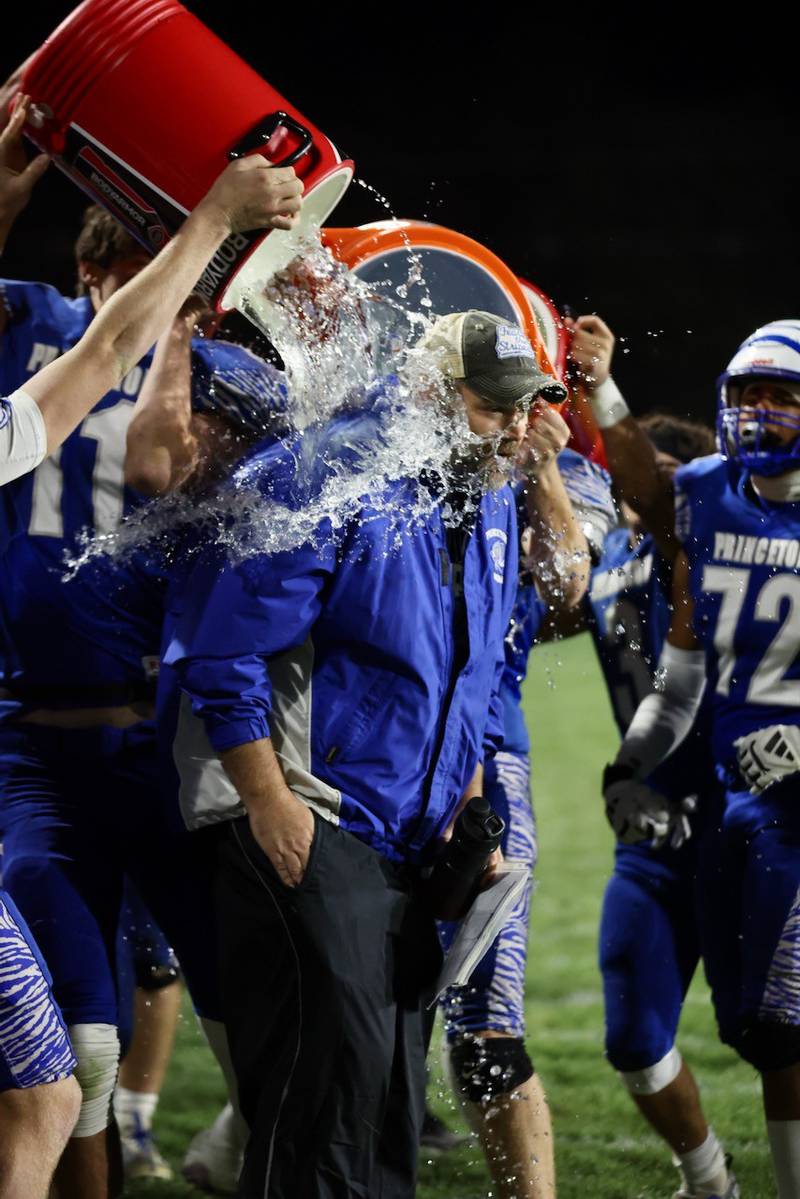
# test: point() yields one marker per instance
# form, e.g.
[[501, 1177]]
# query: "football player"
[[736, 596], [149, 1005], [649, 938], [189, 427], [485, 1021], [39, 1101], [73, 731]]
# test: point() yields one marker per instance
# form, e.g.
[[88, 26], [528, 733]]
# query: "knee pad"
[[486, 1067], [653, 1079], [96, 1047], [768, 1045]]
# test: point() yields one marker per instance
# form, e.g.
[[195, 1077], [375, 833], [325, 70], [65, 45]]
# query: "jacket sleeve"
[[495, 725], [233, 620]]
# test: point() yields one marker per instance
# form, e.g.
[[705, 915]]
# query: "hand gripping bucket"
[[142, 106], [429, 267]]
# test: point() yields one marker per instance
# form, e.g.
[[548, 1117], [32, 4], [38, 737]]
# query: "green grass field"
[[603, 1150]]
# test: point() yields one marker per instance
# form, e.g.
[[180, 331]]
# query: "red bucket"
[[142, 106]]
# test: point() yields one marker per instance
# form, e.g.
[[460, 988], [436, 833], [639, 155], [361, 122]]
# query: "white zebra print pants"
[[34, 1046], [495, 995]]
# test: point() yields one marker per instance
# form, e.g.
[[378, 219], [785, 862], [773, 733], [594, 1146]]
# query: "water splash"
[[342, 346]]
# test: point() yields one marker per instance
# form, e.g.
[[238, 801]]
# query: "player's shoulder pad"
[[216, 352], [586, 482], [700, 470], [233, 370], [22, 298], [695, 483], [569, 458]]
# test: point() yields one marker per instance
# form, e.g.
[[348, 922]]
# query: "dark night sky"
[[646, 172]]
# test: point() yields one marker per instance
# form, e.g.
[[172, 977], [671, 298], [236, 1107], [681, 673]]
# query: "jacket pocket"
[[351, 728], [311, 865]]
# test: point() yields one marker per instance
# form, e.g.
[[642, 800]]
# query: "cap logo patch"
[[512, 343]]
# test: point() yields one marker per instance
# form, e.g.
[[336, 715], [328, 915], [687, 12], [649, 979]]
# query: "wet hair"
[[680, 438], [101, 241]]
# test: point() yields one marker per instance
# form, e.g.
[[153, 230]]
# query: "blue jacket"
[[341, 651]]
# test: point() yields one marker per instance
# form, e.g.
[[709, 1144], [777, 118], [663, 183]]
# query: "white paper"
[[480, 926]]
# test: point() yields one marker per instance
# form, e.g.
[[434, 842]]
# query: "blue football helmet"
[[746, 435], [236, 384]]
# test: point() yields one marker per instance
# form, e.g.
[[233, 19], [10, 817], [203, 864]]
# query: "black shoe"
[[437, 1136]]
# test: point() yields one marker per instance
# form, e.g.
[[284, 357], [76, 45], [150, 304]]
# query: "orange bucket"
[[438, 270]]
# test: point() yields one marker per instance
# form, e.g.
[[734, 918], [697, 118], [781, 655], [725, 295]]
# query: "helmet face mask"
[[753, 436]]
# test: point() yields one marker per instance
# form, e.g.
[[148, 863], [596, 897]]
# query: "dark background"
[[642, 167]]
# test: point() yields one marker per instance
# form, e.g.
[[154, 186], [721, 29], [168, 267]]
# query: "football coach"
[[338, 702]]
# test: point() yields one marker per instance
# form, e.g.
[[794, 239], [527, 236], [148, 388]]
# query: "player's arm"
[[18, 177], [556, 550], [661, 722], [249, 194], [161, 448], [629, 453], [664, 718], [559, 623]]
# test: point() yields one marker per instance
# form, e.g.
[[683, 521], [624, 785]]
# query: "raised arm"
[[161, 449], [248, 194], [629, 452], [660, 724], [17, 175], [555, 548]]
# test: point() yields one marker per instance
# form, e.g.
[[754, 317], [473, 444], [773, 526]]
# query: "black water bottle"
[[456, 875]]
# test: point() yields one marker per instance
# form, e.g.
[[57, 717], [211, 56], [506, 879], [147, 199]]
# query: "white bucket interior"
[[280, 246]]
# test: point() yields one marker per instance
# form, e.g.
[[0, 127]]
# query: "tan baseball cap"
[[492, 356]]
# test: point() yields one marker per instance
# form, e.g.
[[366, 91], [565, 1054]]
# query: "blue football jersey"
[[92, 640], [11, 519], [629, 602], [744, 562], [589, 489]]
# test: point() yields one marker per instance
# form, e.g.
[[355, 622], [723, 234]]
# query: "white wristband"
[[608, 404]]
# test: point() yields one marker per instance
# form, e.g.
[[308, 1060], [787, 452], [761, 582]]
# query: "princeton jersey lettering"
[[744, 562]]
